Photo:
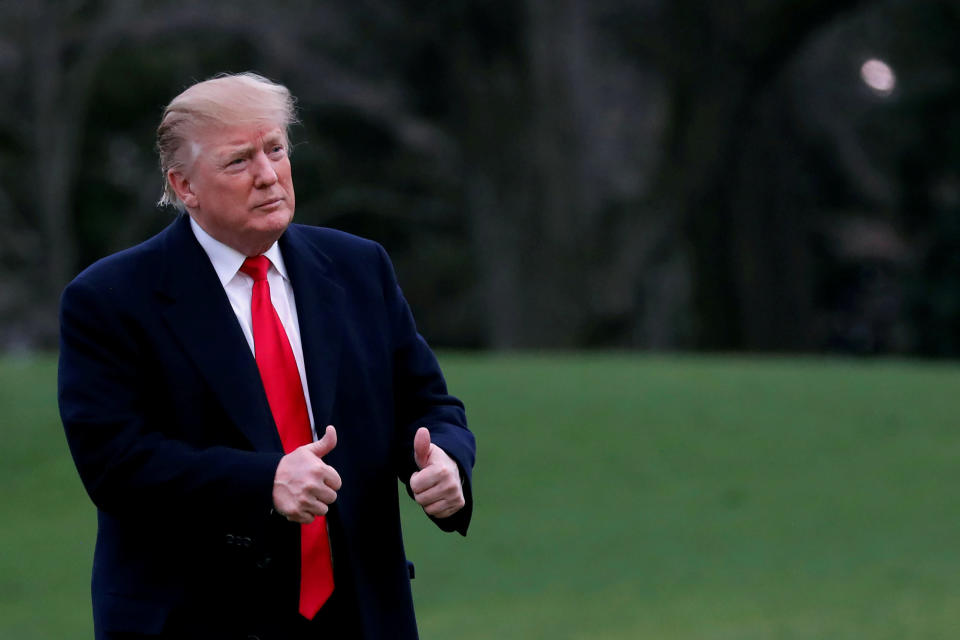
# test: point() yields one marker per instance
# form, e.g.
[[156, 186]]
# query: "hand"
[[436, 487], [305, 486]]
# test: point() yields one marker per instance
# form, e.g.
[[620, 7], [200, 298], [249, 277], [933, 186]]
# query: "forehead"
[[220, 138]]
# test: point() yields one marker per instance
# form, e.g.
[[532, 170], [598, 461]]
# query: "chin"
[[271, 227], [275, 220]]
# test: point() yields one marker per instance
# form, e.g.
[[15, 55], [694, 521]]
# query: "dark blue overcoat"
[[173, 438]]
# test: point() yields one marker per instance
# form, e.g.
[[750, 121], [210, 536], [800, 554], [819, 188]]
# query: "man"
[[240, 394]]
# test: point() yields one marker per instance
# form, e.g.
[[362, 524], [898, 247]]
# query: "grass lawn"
[[617, 496]]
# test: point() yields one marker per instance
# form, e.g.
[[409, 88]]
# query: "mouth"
[[267, 204]]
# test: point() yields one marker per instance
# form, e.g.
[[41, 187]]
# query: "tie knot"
[[256, 267]]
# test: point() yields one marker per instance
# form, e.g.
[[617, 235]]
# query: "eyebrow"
[[243, 148], [233, 149]]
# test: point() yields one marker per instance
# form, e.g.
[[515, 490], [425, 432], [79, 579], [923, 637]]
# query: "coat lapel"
[[320, 314], [319, 303], [201, 317]]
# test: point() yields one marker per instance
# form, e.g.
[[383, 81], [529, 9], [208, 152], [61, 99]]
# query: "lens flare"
[[878, 75]]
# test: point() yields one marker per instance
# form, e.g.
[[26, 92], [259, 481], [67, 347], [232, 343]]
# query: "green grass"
[[617, 496], [47, 523], [641, 497]]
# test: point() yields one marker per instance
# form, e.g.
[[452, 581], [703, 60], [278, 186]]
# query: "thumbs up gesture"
[[305, 486], [436, 486]]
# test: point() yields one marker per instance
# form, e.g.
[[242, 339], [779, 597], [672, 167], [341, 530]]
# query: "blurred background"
[[776, 175], [633, 228]]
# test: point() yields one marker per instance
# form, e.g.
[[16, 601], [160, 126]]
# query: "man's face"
[[239, 188]]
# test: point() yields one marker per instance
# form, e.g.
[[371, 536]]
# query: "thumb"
[[421, 447], [325, 445]]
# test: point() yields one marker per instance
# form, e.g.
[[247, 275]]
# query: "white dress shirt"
[[238, 286]]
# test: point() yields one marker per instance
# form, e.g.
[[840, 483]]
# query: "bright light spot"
[[878, 75]]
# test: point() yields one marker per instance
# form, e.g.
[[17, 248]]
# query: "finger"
[[421, 481], [322, 473], [439, 493], [313, 507], [325, 445], [437, 512], [324, 494], [421, 447], [332, 479], [443, 509], [299, 517]]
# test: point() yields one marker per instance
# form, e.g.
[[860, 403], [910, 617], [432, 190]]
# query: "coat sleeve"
[[421, 399], [108, 403]]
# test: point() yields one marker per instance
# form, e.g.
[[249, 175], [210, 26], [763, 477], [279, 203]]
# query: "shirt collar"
[[226, 260]]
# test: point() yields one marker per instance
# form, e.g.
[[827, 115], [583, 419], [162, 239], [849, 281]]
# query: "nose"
[[264, 175]]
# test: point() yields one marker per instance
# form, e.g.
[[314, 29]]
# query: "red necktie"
[[281, 381]]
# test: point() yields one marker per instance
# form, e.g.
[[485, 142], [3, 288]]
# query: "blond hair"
[[225, 99]]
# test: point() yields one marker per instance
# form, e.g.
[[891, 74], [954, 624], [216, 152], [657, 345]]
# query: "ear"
[[180, 183]]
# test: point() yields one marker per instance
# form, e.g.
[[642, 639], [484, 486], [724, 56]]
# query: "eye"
[[277, 149]]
